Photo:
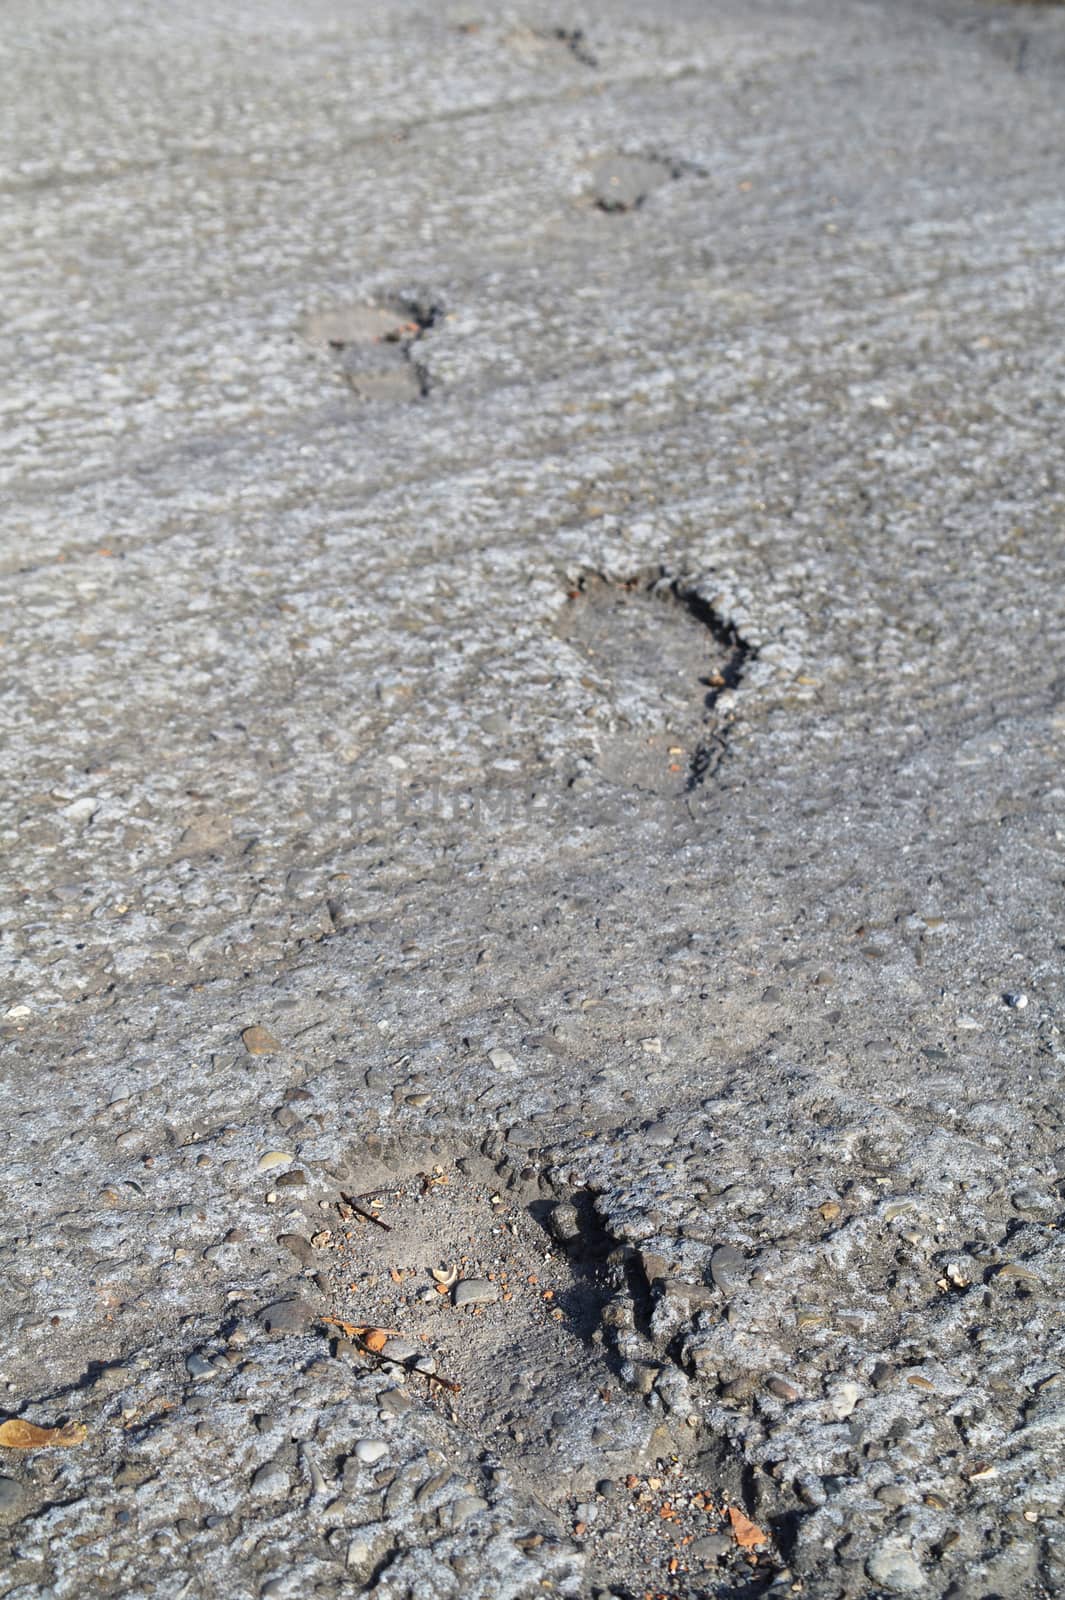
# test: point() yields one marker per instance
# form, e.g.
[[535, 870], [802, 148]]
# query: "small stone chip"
[[398, 1349], [11, 1496], [729, 1269], [291, 1315], [369, 1451], [475, 1292], [259, 1041], [893, 1567], [274, 1158]]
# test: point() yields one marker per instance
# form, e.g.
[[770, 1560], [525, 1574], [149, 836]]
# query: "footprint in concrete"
[[659, 659], [494, 1316], [539, 45], [623, 182], [373, 345], [576, 42]]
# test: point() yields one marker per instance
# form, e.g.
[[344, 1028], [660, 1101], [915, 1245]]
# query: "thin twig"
[[364, 1211]]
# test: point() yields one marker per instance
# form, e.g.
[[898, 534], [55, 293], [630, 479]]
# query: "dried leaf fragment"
[[745, 1532], [15, 1434]]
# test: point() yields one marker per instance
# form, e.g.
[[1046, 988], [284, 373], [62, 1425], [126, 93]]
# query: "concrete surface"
[[532, 577]]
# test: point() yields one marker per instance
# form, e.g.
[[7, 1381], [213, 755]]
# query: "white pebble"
[[370, 1450], [843, 1399]]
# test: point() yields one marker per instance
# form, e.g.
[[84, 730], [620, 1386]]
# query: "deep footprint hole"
[[373, 344], [662, 659]]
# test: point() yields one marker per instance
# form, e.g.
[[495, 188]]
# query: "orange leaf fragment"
[[745, 1532], [373, 1338], [18, 1435]]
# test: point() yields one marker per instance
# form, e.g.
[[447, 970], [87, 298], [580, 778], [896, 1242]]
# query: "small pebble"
[[11, 1496], [272, 1159], [259, 1041], [368, 1451], [468, 1505], [270, 1480], [843, 1399], [401, 1350], [286, 1316], [893, 1567], [199, 1368], [298, 1245], [296, 1179], [729, 1269], [1015, 1000], [711, 1547], [359, 1552], [475, 1292], [563, 1223]]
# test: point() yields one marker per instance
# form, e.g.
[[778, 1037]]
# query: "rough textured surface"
[[533, 713]]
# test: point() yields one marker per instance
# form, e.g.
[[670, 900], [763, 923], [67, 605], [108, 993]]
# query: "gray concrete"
[[532, 574]]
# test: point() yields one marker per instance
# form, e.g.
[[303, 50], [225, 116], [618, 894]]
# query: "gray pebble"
[[300, 1247], [564, 1224], [281, 1587], [271, 1480], [711, 1547], [729, 1269], [11, 1496], [287, 1316], [1033, 1203], [893, 1567], [199, 1368], [468, 1505], [401, 1350], [475, 1292], [393, 1403]]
